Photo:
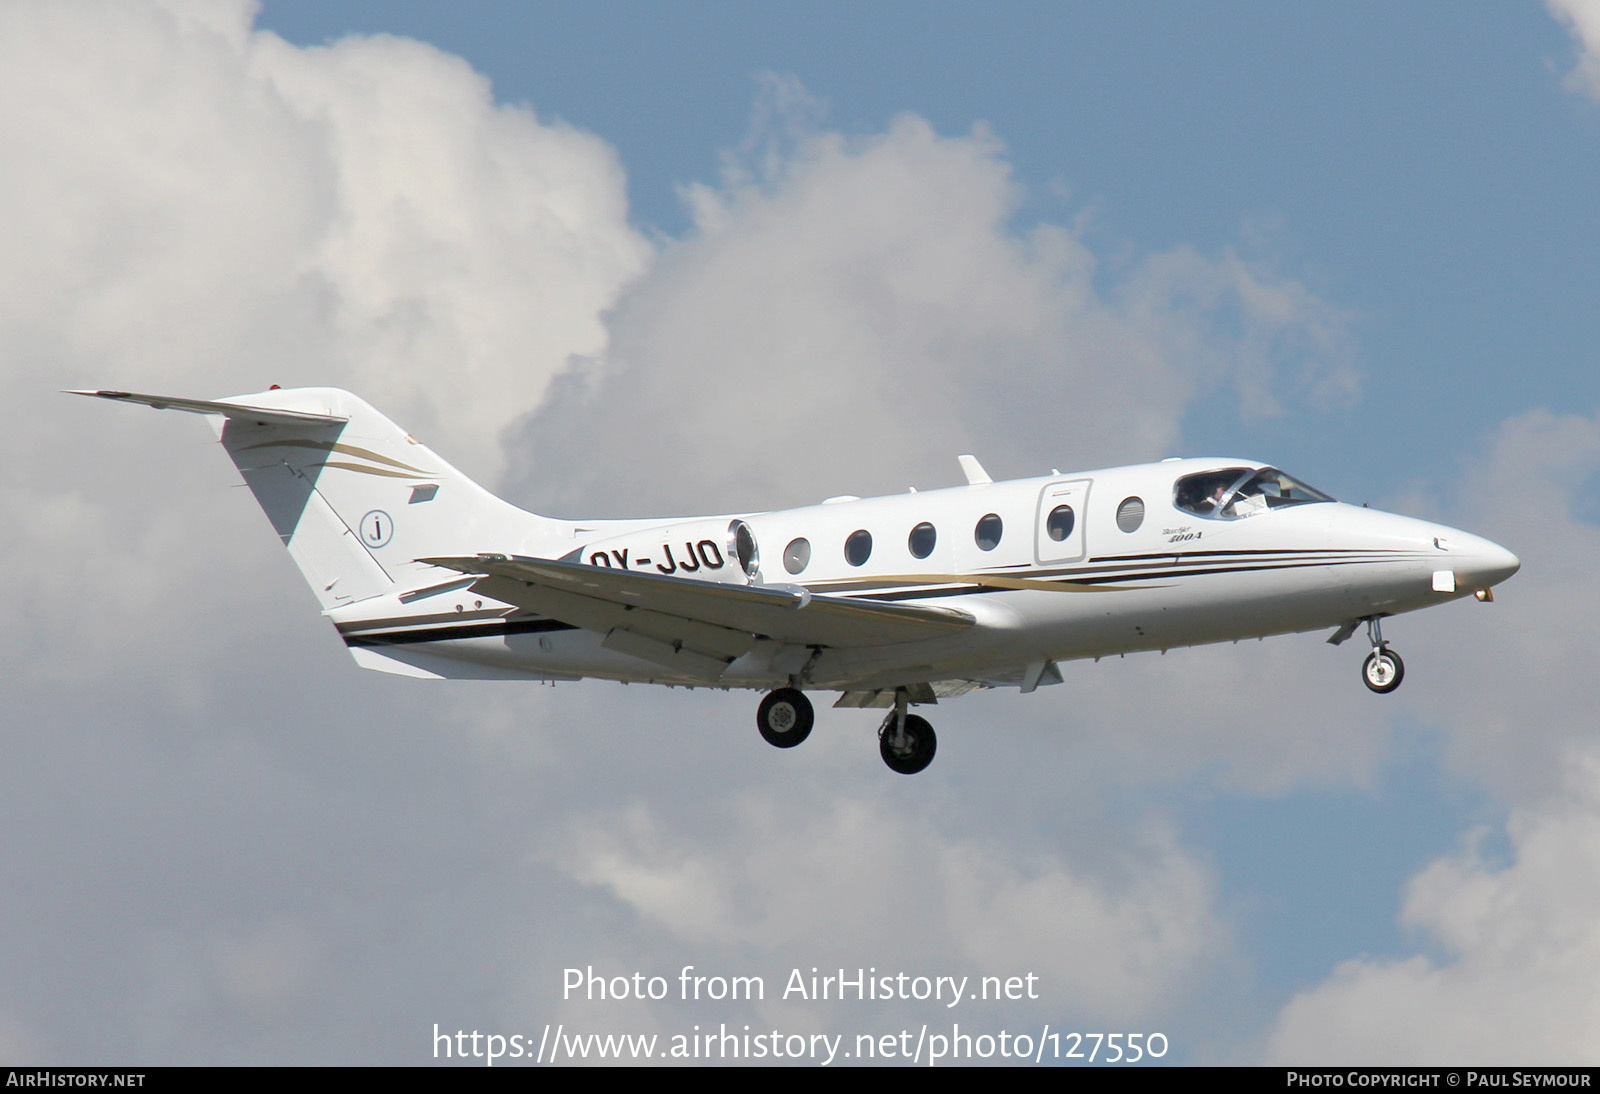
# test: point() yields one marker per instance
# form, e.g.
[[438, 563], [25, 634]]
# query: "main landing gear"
[[785, 718], [906, 742], [1383, 669]]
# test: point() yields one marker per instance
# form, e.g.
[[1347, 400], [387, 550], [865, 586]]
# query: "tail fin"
[[354, 497]]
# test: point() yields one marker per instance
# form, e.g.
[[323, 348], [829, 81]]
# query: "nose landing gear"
[[1383, 670]]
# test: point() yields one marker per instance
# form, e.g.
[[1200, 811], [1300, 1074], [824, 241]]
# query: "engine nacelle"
[[711, 549]]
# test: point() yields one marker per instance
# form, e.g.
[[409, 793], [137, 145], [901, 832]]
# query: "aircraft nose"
[[1483, 563]]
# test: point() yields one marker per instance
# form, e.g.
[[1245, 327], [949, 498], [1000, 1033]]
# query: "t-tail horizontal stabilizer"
[[225, 407]]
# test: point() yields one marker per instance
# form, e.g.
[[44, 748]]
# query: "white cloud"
[[189, 204], [1520, 955], [849, 882], [1582, 18], [847, 317], [195, 208]]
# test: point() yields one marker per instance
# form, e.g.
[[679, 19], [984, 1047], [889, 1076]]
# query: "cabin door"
[[1058, 534]]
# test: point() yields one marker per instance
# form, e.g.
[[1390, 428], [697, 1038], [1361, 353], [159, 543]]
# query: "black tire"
[[785, 718], [1383, 670], [921, 744]]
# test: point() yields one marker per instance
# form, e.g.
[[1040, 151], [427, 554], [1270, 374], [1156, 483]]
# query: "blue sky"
[[1355, 240]]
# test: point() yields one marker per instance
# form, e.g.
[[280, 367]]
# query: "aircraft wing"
[[698, 626]]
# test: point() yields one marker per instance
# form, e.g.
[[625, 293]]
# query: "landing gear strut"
[[906, 742], [785, 718], [1383, 669]]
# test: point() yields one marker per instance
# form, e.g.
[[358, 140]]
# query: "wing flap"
[[670, 654], [604, 616], [724, 620]]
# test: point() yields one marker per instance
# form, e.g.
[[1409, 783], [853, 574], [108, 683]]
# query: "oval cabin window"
[[1059, 523], [797, 555], [1130, 514], [858, 548], [987, 533]]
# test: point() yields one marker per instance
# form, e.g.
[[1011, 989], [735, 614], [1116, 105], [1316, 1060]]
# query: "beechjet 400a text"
[[892, 601]]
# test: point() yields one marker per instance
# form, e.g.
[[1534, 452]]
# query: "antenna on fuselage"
[[976, 475]]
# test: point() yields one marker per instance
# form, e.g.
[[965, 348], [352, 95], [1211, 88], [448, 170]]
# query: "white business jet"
[[892, 601]]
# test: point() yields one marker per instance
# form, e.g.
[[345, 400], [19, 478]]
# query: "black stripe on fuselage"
[[1154, 573], [1301, 552], [1120, 567]]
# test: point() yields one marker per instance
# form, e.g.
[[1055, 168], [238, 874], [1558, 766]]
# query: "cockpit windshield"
[[1236, 492]]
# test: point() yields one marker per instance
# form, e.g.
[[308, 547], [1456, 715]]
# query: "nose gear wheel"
[[1383, 670]]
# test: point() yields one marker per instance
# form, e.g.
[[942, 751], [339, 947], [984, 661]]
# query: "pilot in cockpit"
[[1206, 495], [1214, 493]]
